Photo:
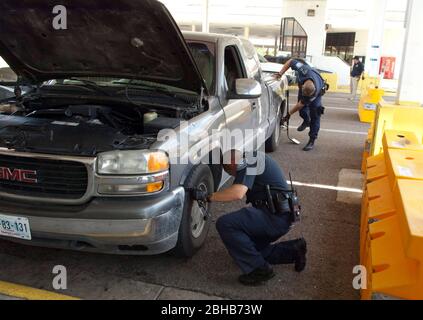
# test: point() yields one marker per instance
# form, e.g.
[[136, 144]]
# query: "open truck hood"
[[131, 39]]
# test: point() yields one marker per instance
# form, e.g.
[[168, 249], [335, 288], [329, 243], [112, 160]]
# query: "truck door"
[[264, 109], [240, 114]]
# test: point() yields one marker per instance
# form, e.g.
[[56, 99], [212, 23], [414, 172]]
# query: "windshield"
[[204, 56], [115, 83], [6, 74], [7, 81]]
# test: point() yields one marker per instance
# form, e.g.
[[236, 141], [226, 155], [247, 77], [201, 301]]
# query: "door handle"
[[254, 106]]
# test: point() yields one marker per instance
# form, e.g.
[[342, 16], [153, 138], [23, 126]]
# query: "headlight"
[[132, 162]]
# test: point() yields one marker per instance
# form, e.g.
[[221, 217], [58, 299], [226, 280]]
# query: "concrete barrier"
[[368, 104], [391, 233], [389, 117], [332, 80]]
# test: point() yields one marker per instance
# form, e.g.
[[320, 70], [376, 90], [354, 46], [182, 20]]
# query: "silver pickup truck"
[[92, 157]]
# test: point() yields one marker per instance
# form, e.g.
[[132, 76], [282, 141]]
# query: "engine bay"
[[129, 121], [80, 128]]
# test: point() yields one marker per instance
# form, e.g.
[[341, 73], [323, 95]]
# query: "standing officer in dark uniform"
[[311, 89], [248, 234], [357, 71]]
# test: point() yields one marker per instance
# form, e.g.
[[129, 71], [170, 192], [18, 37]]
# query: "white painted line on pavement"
[[338, 131], [342, 109], [345, 131], [322, 186]]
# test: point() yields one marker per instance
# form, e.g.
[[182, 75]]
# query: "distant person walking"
[[357, 71]]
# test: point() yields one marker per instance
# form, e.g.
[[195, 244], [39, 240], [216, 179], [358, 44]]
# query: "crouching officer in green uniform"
[[249, 233]]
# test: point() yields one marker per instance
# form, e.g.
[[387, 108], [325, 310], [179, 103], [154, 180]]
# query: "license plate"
[[15, 227]]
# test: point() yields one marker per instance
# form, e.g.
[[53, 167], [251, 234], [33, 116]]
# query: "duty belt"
[[260, 204]]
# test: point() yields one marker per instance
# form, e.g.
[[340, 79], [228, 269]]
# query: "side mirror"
[[246, 89]]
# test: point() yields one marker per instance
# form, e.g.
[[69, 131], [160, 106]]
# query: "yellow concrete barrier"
[[404, 164], [411, 217], [376, 168], [367, 148], [397, 254], [408, 120], [368, 104], [393, 272], [391, 233], [377, 204], [332, 80], [410, 104], [399, 118], [403, 140], [368, 82]]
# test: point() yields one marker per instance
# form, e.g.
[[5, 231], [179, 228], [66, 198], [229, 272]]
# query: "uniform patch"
[[299, 65]]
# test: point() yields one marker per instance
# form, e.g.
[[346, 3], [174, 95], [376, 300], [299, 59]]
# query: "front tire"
[[195, 224]]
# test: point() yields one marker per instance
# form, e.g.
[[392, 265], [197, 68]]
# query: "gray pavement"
[[330, 227]]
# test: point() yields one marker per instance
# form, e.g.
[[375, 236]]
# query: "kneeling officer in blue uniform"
[[248, 234], [311, 89]]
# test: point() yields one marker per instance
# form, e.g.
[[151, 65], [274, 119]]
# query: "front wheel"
[[195, 223]]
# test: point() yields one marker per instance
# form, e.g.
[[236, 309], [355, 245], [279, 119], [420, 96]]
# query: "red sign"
[[387, 67]]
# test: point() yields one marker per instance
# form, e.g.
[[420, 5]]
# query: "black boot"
[[257, 277], [310, 145], [301, 259], [303, 126]]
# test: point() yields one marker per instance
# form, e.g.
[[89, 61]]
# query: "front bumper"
[[141, 226]]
